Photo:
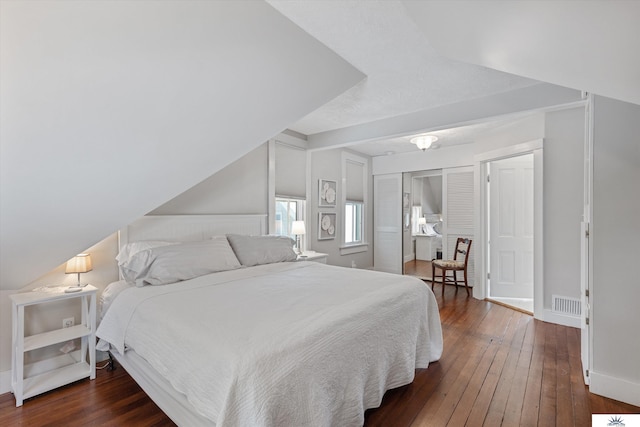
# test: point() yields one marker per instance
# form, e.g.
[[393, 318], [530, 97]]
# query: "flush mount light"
[[423, 141]]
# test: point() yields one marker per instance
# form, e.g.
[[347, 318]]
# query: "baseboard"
[[562, 319], [409, 257], [615, 388], [5, 382]]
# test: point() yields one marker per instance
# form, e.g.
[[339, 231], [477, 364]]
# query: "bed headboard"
[[190, 227]]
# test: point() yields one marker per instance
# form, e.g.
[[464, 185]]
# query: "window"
[[355, 177], [287, 211], [353, 222]]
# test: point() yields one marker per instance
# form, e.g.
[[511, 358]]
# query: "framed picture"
[[326, 226], [327, 193]]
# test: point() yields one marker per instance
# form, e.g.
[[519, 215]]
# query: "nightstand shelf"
[[55, 378], [60, 335], [39, 377]]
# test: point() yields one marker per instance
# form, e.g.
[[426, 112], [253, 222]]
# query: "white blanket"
[[295, 344]]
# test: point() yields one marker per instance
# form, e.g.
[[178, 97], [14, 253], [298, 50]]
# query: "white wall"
[[327, 164], [240, 188], [615, 232], [563, 202], [111, 108]]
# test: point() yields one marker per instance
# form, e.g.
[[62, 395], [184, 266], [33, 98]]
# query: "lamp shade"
[[297, 228], [80, 263]]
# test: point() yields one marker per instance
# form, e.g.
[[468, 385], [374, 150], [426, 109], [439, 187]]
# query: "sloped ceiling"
[[584, 45], [404, 71], [109, 109]]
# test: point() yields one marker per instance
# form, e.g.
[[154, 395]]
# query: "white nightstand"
[[36, 378], [313, 256]]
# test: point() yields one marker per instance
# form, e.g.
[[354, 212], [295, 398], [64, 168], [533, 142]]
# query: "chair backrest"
[[463, 247]]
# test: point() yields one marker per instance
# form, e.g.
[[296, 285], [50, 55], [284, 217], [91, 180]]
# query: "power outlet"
[[68, 322]]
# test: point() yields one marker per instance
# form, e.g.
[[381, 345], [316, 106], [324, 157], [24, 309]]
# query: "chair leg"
[[455, 279], [433, 275], [466, 284], [444, 273]]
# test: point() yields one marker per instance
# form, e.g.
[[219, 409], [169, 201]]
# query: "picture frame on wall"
[[326, 225], [327, 193]]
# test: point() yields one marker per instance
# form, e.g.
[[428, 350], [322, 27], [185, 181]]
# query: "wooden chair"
[[463, 247]]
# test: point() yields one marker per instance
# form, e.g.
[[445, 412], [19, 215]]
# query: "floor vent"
[[566, 305]]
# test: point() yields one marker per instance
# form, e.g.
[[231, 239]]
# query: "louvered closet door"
[[387, 202], [458, 213]]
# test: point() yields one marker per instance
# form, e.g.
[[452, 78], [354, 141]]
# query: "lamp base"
[[71, 289]]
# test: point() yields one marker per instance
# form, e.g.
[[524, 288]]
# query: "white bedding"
[[281, 344]]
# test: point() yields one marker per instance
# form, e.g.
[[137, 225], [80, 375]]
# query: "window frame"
[[362, 245], [300, 216], [356, 226]]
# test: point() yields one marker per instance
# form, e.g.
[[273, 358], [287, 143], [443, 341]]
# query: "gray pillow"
[[258, 250], [173, 263]]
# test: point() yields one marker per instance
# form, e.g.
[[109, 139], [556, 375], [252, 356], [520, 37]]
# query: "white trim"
[[538, 232], [615, 388], [354, 249], [586, 260], [510, 151], [481, 234], [271, 186], [5, 381], [308, 209], [561, 319]]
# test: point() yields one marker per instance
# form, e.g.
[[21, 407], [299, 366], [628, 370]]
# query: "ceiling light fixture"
[[423, 141]]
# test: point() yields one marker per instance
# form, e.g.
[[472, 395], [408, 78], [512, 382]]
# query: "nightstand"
[[313, 256], [45, 375]]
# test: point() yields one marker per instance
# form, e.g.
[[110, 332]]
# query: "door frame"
[[534, 147]]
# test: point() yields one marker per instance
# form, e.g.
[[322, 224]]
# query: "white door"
[[387, 223], [511, 212]]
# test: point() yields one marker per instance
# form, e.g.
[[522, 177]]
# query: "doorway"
[[510, 229], [422, 218]]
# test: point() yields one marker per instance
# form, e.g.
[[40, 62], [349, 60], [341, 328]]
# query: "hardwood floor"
[[499, 367], [418, 268]]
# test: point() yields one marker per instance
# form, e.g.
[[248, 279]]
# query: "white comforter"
[[289, 344]]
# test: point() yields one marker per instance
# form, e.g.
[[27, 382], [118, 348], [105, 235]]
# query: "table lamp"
[[80, 263], [297, 229]]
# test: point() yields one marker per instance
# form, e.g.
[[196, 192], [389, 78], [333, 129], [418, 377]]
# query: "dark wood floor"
[[499, 367], [418, 268]]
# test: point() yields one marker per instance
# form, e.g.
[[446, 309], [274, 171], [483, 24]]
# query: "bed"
[[266, 343]]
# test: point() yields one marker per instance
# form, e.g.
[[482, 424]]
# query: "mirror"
[[422, 236]]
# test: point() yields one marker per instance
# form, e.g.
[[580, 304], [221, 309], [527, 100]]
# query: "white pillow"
[[130, 249], [430, 229], [173, 263], [258, 250]]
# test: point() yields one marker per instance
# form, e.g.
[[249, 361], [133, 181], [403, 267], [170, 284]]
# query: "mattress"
[[280, 344]]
